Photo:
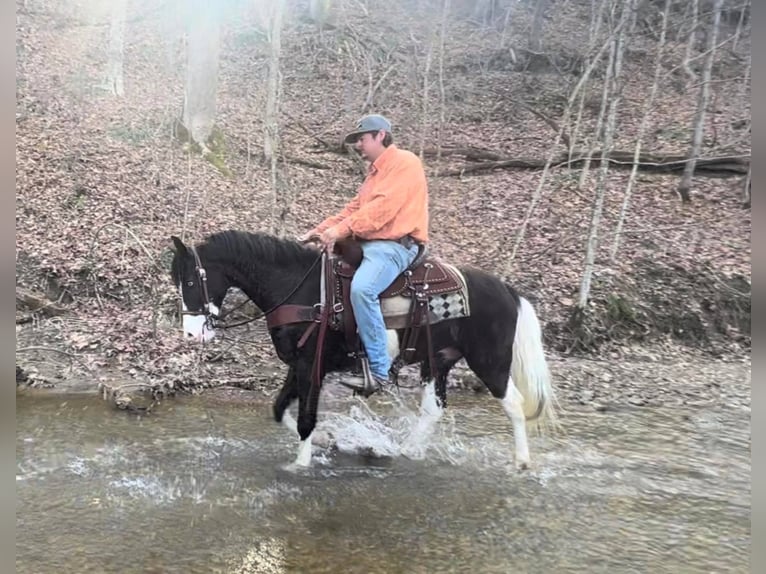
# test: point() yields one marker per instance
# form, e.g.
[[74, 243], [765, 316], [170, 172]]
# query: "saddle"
[[405, 303], [427, 292], [424, 273]]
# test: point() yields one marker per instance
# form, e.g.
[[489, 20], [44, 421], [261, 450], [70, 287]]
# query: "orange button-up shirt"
[[391, 203]]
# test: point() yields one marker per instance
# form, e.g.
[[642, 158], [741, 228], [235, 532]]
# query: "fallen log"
[[37, 302], [724, 166]]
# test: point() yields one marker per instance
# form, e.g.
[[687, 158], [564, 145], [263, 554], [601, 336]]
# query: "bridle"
[[212, 320]]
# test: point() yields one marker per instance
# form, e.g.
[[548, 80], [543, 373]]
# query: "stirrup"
[[369, 385]]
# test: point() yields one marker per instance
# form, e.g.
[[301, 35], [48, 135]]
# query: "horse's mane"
[[259, 246]]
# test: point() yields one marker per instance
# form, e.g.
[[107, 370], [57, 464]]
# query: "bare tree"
[[614, 95], [691, 42], [746, 189], [442, 94], [114, 78], [201, 87], [318, 11], [426, 84], [740, 24], [641, 129], [271, 123], [601, 113], [702, 100], [553, 150], [536, 30], [271, 119], [597, 16], [485, 10]]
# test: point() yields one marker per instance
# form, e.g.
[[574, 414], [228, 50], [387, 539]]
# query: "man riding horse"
[[389, 219]]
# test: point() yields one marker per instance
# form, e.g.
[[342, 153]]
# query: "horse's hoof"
[[522, 465]]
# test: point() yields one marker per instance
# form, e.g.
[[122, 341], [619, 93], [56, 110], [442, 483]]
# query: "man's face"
[[370, 145]]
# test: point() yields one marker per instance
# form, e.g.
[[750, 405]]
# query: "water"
[[200, 487]]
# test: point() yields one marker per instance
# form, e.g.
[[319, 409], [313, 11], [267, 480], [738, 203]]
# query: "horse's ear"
[[180, 247]]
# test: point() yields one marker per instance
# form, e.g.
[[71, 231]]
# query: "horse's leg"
[[498, 380], [432, 403], [512, 405], [445, 360], [287, 394], [308, 400]]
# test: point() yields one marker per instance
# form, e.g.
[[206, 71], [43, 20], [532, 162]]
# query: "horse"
[[500, 339]]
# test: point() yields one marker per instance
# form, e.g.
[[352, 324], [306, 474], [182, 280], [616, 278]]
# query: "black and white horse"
[[500, 340]]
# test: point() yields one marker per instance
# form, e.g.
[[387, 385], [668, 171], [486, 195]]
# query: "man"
[[389, 216]]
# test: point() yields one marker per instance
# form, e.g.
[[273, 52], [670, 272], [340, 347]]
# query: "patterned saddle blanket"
[[441, 284]]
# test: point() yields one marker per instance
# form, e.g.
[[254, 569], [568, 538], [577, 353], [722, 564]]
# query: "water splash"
[[398, 429]]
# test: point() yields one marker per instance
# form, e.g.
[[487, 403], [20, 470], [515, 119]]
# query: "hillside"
[[102, 182]]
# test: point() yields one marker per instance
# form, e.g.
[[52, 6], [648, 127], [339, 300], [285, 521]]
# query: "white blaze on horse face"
[[195, 326]]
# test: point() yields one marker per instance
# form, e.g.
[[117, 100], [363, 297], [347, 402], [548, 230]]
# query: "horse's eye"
[[190, 283]]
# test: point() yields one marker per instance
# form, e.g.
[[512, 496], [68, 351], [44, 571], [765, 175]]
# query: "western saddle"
[[425, 277]]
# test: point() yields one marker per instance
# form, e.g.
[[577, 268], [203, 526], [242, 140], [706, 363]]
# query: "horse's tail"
[[529, 368]]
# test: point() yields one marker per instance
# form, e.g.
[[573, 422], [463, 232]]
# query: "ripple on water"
[[644, 490]]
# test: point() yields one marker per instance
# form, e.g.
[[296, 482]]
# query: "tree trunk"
[[506, 22], [600, 119], [740, 23], [702, 100], [442, 93], [318, 11], [690, 42], [641, 130], [114, 77], [746, 190], [202, 72], [425, 99], [613, 94], [595, 28], [536, 30], [484, 11], [271, 121]]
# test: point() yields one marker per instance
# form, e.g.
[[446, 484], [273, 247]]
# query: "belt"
[[407, 241]]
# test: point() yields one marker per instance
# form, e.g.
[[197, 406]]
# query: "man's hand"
[[309, 236], [310, 239], [329, 237]]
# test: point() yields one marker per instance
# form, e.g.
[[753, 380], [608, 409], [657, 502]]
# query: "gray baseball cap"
[[370, 123]]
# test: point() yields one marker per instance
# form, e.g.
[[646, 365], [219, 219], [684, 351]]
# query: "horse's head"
[[202, 287]]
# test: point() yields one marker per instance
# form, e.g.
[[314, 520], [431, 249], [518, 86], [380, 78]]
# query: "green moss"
[[216, 146], [620, 309]]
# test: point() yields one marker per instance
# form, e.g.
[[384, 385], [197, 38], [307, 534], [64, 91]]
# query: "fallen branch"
[[37, 302], [551, 122], [307, 163], [712, 167]]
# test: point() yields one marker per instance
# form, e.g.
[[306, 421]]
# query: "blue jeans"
[[382, 263]]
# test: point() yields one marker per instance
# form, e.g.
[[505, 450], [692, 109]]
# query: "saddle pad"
[[441, 306]]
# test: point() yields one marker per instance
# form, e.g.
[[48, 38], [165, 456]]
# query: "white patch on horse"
[[513, 405], [195, 326], [416, 444], [392, 343], [304, 453]]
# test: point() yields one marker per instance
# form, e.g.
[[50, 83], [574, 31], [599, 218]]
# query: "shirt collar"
[[383, 158]]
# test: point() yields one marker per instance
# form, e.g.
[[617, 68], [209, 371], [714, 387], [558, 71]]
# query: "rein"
[[213, 319]]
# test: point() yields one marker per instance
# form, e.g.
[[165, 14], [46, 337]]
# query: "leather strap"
[[287, 314]]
